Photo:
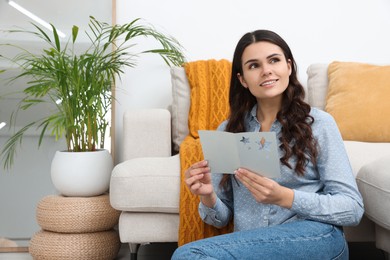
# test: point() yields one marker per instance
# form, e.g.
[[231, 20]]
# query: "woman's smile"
[[268, 83]]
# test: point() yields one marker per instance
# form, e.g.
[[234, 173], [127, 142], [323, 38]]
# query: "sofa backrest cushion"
[[317, 84], [180, 106], [358, 99]]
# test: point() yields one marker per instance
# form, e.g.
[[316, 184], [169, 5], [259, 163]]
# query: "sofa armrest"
[[373, 181], [146, 133], [149, 184]]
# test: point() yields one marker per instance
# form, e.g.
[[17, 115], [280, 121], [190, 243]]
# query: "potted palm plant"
[[78, 87]]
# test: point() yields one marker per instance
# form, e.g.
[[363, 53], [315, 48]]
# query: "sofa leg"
[[133, 251], [386, 255]]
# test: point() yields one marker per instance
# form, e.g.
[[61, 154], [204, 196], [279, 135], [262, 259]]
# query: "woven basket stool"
[[48, 245], [80, 228], [76, 214]]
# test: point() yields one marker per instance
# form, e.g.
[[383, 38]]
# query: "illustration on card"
[[261, 144]]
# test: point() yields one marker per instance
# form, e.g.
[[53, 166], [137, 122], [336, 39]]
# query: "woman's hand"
[[265, 190], [198, 178]]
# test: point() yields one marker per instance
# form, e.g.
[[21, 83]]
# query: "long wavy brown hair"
[[296, 134]]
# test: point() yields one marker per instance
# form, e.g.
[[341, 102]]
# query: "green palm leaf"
[[78, 86]]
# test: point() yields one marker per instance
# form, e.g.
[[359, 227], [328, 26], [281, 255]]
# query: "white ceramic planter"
[[81, 174]]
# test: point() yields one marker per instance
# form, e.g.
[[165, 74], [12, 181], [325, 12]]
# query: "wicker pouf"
[[97, 245], [75, 228], [76, 214]]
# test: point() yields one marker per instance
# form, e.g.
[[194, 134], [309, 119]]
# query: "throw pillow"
[[317, 84], [180, 106], [358, 99]]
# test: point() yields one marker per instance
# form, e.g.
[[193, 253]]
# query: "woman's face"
[[265, 70]]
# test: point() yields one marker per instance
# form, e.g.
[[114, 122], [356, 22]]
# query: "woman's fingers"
[[266, 190], [263, 189], [196, 186], [197, 168], [250, 179], [195, 177]]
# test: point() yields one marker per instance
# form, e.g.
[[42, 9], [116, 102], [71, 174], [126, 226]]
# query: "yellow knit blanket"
[[209, 82]]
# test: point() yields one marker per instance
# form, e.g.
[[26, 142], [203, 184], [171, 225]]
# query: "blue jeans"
[[295, 240]]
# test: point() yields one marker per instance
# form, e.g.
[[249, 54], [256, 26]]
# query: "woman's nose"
[[266, 70]]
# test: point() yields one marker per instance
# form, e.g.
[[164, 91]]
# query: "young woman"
[[299, 215]]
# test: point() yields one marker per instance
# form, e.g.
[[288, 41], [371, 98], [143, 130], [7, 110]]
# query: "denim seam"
[[276, 240]]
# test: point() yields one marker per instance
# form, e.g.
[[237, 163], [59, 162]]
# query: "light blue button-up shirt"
[[326, 193]]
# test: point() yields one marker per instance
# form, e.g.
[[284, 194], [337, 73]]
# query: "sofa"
[[145, 186]]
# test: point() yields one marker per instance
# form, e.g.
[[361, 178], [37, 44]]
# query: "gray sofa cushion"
[[149, 184], [373, 181]]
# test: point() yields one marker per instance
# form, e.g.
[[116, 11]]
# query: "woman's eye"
[[253, 66], [274, 60]]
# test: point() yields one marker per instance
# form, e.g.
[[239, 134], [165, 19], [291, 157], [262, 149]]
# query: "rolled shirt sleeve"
[[218, 216]]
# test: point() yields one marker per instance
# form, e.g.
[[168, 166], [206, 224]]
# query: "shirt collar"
[[253, 114], [252, 118]]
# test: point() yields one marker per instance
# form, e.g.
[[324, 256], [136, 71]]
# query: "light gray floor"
[[15, 256], [146, 252]]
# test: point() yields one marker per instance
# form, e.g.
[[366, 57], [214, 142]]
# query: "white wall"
[[317, 31], [22, 187], [28, 181]]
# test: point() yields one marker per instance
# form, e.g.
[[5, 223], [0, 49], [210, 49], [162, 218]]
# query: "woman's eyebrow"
[[268, 57], [251, 60], [273, 55]]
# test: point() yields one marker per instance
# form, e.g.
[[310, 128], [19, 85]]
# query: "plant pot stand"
[[75, 228]]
